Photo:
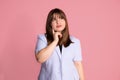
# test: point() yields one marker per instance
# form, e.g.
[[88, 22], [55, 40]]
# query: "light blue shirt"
[[60, 66]]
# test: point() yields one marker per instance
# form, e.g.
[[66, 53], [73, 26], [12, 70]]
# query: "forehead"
[[56, 15]]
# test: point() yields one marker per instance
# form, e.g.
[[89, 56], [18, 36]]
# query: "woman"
[[58, 52]]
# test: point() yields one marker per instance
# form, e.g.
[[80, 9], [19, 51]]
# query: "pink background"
[[95, 22]]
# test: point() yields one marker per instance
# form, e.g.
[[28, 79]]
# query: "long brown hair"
[[65, 40]]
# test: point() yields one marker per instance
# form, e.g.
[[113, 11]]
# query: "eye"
[[60, 17], [53, 19]]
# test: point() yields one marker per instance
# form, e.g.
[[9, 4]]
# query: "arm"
[[79, 67], [46, 52]]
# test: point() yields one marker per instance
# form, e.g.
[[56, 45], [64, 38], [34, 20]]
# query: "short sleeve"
[[41, 43], [77, 50]]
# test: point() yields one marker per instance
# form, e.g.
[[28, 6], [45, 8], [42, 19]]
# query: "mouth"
[[58, 26]]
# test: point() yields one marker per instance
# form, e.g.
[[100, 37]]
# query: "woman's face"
[[58, 24]]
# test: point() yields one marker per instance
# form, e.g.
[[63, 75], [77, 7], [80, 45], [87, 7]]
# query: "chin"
[[59, 30]]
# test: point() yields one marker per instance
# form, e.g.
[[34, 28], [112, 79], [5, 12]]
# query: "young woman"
[[58, 52]]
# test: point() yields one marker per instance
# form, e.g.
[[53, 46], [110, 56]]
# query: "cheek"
[[53, 25], [64, 24]]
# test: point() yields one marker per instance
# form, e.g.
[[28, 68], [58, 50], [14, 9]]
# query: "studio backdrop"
[[95, 22]]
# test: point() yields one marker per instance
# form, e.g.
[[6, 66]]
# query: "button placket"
[[62, 66]]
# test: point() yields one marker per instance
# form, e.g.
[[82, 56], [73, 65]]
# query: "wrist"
[[55, 41]]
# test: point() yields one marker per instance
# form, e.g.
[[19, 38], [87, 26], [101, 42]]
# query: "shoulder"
[[74, 39], [41, 37]]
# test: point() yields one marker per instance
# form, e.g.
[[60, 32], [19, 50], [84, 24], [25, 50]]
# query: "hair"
[[65, 40]]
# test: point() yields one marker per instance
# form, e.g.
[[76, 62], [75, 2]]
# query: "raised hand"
[[56, 35]]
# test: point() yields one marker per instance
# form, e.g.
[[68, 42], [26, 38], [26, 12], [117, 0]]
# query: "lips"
[[58, 26]]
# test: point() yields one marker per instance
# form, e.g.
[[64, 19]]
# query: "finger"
[[53, 31], [60, 35]]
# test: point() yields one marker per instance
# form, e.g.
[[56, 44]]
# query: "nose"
[[57, 21]]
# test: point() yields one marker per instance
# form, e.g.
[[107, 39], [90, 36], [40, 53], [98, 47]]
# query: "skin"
[[58, 24]]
